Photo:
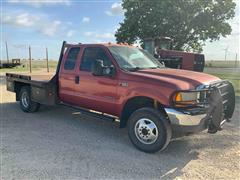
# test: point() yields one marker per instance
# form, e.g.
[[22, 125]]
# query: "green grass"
[[36, 66], [232, 76], [222, 64]]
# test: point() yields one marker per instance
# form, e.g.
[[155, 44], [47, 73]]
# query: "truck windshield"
[[133, 58], [163, 44]]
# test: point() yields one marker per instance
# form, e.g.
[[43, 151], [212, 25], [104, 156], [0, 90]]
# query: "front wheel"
[[26, 104], [149, 130]]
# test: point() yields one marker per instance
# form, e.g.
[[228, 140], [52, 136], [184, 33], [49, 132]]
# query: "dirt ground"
[[61, 143]]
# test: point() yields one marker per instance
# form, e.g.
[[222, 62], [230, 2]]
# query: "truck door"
[[96, 92], [67, 75]]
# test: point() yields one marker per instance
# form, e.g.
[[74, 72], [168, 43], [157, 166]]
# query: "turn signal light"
[[178, 97]]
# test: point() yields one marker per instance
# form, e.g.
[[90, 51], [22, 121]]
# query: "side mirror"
[[97, 68], [109, 71]]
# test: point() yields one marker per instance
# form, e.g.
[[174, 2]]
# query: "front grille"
[[223, 90], [220, 103], [226, 91]]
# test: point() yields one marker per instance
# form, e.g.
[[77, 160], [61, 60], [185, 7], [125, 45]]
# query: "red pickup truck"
[[127, 83]]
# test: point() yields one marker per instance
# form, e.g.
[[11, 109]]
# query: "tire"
[[26, 104], [149, 130]]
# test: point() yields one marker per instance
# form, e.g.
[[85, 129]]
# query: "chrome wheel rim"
[[146, 131], [25, 99]]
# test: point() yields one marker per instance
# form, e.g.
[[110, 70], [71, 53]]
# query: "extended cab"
[[126, 83]]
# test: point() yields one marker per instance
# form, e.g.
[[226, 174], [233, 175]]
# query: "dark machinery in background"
[[13, 63], [8, 64], [162, 49]]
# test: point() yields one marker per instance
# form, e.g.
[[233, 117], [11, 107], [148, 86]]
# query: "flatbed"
[[43, 86]]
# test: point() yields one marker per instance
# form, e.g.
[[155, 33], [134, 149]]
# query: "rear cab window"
[[71, 58]]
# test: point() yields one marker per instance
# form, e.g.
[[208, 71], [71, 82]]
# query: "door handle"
[[77, 79]]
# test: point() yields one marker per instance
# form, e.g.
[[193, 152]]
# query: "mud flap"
[[215, 111]]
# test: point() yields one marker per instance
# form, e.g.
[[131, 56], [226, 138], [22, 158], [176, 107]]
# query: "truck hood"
[[181, 79]]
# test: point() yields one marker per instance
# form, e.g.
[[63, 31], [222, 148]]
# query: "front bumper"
[[189, 121], [220, 108]]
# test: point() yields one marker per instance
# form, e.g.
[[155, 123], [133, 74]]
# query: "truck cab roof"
[[109, 44]]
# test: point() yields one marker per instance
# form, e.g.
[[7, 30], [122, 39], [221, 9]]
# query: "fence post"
[[30, 59], [47, 59]]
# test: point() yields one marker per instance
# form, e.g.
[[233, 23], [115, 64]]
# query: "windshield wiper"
[[141, 68], [138, 68], [134, 69]]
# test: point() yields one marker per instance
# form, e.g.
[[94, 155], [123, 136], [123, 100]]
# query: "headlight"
[[187, 98]]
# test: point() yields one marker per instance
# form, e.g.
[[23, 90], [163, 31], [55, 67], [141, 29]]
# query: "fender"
[[145, 92]]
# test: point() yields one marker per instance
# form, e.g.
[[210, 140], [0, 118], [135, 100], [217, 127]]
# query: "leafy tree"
[[189, 22]]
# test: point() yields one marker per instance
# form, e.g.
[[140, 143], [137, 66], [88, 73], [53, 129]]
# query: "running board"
[[92, 113]]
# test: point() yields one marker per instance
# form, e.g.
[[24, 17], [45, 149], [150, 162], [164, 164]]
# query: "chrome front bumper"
[[221, 101], [184, 118]]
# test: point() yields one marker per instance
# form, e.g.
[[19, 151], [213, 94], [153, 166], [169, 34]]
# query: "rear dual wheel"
[[149, 130], [26, 103]]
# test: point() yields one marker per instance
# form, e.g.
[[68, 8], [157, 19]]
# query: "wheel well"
[[136, 103], [17, 88]]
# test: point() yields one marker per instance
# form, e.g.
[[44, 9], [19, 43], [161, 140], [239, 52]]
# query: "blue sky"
[[46, 23]]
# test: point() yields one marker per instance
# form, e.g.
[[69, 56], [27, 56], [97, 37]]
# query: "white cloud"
[[51, 29], [70, 33], [39, 3], [105, 35], [36, 22], [115, 10], [99, 35], [22, 19], [89, 33], [86, 19]]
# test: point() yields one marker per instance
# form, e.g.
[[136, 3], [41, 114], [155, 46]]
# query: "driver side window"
[[90, 55]]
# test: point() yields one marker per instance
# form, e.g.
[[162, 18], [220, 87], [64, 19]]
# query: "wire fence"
[[25, 55]]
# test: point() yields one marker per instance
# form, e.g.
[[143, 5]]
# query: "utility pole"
[[47, 59], [226, 51], [7, 51], [30, 59]]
